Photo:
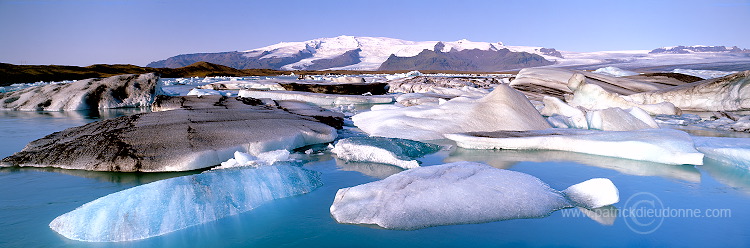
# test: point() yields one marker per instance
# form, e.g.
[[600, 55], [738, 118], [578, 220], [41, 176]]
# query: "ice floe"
[[666, 146], [503, 109], [318, 98], [393, 151], [461, 193], [172, 204], [734, 151]]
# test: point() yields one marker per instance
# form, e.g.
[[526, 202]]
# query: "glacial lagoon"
[[32, 197]]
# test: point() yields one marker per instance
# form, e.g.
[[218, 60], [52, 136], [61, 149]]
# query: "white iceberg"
[[666, 146], [242, 159], [503, 109], [735, 151], [172, 204], [398, 152], [614, 72], [460, 193]]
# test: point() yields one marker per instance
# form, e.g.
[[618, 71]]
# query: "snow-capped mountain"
[[369, 53], [380, 53]]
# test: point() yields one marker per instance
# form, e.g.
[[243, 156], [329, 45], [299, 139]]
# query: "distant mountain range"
[[698, 49], [379, 53], [376, 53]]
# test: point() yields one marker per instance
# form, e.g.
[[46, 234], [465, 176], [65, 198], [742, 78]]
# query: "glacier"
[[393, 151], [503, 109], [172, 204], [461, 193], [666, 146]]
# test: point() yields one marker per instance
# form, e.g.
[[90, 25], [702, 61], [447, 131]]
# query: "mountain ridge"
[[362, 53]]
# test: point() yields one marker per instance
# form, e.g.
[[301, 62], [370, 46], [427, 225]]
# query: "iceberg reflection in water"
[[505, 159]]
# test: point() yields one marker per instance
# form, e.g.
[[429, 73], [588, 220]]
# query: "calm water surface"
[[30, 198]]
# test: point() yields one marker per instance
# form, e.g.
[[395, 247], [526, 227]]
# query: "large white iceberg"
[[398, 152], [172, 204], [538, 82], [666, 146], [594, 97], [503, 109], [460, 193], [729, 93]]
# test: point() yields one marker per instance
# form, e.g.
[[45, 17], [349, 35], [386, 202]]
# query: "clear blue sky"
[[85, 32]]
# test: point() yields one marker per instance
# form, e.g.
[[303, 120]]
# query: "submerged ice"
[[172, 204], [460, 193]]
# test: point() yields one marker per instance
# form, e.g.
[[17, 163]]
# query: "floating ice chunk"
[[593, 193], [503, 109], [459, 193], [317, 98], [594, 97], [204, 92], [734, 151], [398, 152], [614, 72], [242, 159], [666, 146], [172, 204]]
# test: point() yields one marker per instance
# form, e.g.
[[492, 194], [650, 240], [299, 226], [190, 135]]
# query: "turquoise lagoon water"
[[31, 197]]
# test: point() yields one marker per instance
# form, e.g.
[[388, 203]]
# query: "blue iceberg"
[[172, 204]]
